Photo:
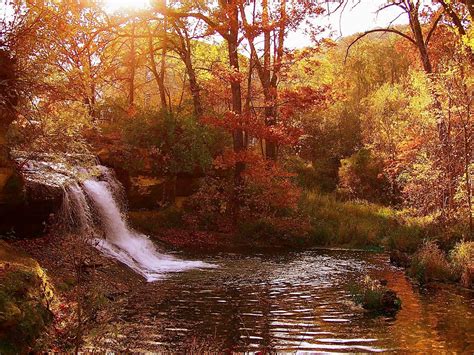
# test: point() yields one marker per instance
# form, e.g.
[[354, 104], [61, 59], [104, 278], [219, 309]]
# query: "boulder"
[[25, 300], [30, 216], [399, 258], [390, 303]]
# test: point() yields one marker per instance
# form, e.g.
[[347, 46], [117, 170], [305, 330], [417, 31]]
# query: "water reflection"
[[298, 301]]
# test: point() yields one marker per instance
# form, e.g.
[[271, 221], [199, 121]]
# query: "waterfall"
[[112, 235], [76, 212]]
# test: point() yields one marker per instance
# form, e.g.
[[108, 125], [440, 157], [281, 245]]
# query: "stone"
[[399, 258], [390, 302]]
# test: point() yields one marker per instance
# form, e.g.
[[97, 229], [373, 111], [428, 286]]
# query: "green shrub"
[[164, 144], [258, 229], [362, 176], [430, 264], [374, 296], [462, 258], [320, 175]]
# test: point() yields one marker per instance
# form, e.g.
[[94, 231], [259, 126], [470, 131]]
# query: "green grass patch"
[[375, 297], [429, 263], [360, 224]]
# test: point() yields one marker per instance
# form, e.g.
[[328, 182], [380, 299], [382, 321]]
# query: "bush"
[[210, 208], [462, 258], [430, 264], [320, 175], [361, 176], [151, 222], [266, 191], [375, 297]]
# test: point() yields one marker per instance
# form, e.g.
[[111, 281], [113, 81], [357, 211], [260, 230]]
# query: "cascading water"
[[115, 238]]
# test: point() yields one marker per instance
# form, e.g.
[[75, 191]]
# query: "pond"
[[296, 301]]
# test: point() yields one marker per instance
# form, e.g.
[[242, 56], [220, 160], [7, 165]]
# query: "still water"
[[297, 301]]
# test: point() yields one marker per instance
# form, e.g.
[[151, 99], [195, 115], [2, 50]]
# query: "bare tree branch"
[[433, 27], [390, 30]]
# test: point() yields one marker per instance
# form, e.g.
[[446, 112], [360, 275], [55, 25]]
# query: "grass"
[[462, 260], [375, 297], [360, 224], [429, 263], [321, 220]]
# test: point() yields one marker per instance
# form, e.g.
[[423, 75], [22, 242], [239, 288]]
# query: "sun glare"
[[114, 5]]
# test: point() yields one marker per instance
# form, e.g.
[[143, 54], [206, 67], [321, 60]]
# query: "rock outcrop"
[[26, 297], [144, 189]]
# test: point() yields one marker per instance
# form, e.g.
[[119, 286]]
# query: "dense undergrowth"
[[430, 263], [323, 220]]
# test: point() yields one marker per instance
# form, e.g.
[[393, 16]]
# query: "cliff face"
[[144, 188]]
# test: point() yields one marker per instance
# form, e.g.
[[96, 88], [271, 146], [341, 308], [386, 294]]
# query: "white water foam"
[[131, 248], [118, 240]]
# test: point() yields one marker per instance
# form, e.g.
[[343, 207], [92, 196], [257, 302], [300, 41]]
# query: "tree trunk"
[[268, 92], [418, 34], [442, 127], [232, 44], [163, 70], [159, 80], [467, 160], [193, 83], [238, 135], [131, 83], [270, 121]]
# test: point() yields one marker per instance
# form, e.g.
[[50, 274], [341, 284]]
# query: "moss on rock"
[[25, 300]]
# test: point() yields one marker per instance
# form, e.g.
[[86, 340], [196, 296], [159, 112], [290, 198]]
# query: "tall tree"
[[421, 40], [225, 22]]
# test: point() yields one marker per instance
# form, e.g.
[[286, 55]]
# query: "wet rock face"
[[11, 186], [149, 192], [44, 179], [146, 192], [29, 217]]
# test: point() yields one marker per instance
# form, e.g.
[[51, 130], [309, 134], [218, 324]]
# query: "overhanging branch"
[[390, 30]]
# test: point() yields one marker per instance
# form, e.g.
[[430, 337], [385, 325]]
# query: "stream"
[[296, 301], [286, 301]]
